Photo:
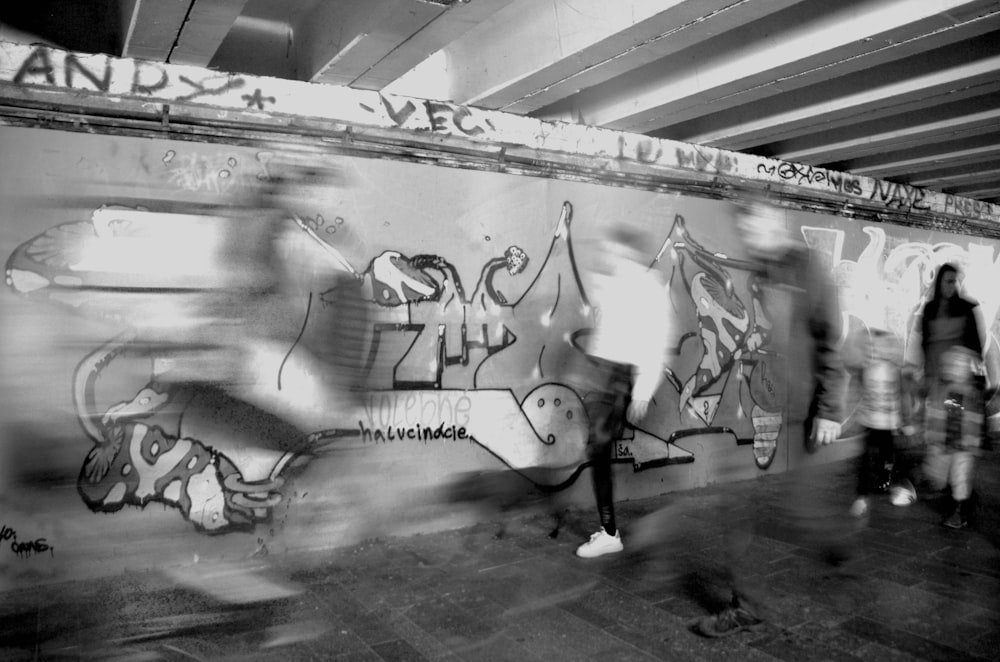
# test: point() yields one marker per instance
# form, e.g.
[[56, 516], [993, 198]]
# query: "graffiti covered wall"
[[473, 296]]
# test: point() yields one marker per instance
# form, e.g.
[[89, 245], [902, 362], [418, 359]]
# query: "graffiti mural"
[[474, 304], [447, 352]]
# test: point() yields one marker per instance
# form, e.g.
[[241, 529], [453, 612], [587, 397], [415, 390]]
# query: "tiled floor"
[[508, 590]]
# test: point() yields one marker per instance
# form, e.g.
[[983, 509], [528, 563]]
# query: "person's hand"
[[637, 410], [824, 431]]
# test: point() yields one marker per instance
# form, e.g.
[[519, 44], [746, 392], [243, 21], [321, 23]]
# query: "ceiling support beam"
[[152, 27], [930, 157], [970, 174], [967, 118], [897, 87], [208, 22], [428, 41], [811, 42], [536, 52], [369, 43]]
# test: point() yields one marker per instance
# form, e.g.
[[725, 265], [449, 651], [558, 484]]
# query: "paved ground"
[[511, 589]]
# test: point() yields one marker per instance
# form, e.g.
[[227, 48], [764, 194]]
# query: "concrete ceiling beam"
[[207, 24], [811, 42], [912, 83], [367, 44], [537, 51], [966, 118], [969, 174], [151, 28], [448, 26], [919, 159]]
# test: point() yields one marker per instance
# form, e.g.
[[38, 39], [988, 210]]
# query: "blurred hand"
[[824, 431], [637, 410]]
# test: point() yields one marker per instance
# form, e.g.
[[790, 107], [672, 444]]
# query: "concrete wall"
[[471, 282]]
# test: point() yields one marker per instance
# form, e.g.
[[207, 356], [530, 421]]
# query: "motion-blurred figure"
[[951, 339], [875, 357], [802, 304], [243, 332], [954, 430], [953, 399], [202, 384], [627, 353]]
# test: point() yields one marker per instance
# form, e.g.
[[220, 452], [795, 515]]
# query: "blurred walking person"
[[875, 357], [626, 356], [802, 305]]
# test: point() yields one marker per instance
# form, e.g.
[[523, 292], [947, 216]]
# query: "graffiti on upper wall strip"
[[797, 173], [54, 68], [35, 67], [436, 116], [45, 67], [968, 207], [706, 160], [899, 196]]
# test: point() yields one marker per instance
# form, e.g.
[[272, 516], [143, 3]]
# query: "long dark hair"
[[936, 299], [956, 306]]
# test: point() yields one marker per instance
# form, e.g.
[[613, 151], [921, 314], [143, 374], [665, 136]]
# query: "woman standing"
[[952, 345], [948, 320]]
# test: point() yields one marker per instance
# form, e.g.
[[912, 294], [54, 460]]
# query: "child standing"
[[884, 411]]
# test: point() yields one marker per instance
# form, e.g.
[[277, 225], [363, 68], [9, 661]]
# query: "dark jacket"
[[933, 345], [808, 307]]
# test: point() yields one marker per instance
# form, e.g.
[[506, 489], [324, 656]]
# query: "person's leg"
[[935, 467], [866, 464], [960, 473], [600, 469], [606, 417], [885, 460], [748, 591], [604, 490]]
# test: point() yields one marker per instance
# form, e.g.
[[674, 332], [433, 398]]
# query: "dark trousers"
[[606, 408], [879, 452]]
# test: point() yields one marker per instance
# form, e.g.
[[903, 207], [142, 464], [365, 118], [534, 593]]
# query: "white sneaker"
[[600, 544], [903, 494], [860, 507]]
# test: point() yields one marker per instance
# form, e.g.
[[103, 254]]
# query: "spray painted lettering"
[[437, 116], [423, 417], [423, 433], [409, 410], [708, 160], [41, 64], [25, 548], [899, 196], [968, 207], [804, 174], [646, 150], [55, 68]]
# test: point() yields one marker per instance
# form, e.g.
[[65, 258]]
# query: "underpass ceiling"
[[902, 90]]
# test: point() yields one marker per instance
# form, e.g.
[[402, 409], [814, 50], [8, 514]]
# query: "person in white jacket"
[[627, 352]]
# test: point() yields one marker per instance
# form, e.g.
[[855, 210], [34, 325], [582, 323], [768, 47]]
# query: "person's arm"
[[657, 337], [824, 324], [925, 331], [974, 329]]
